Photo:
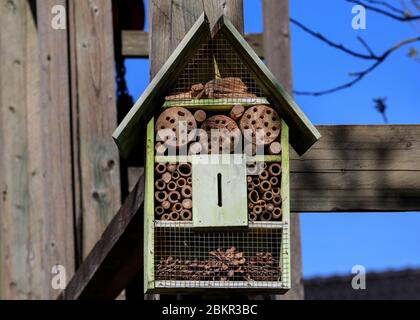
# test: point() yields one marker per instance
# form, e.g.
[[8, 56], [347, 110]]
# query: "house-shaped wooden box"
[[216, 211]]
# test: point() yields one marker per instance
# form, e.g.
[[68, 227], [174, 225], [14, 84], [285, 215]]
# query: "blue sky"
[[333, 243]]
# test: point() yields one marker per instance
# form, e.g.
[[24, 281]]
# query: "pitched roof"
[[302, 132]]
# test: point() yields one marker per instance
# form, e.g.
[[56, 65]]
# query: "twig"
[[387, 5], [385, 13], [361, 74], [366, 46], [331, 43]]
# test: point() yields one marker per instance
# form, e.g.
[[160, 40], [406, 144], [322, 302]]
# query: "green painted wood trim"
[[149, 210], [285, 195], [178, 159], [215, 104], [127, 133], [303, 132]]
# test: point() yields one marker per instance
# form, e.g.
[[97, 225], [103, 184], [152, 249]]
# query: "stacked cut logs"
[[221, 265], [173, 191], [229, 87], [182, 132], [264, 197]]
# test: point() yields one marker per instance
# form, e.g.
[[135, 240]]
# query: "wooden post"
[[276, 41]]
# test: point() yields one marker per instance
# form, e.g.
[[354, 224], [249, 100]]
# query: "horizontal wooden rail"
[[136, 43]]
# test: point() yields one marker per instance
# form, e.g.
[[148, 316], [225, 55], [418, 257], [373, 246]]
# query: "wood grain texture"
[[97, 162], [135, 43], [36, 204], [359, 168], [115, 258], [278, 58]]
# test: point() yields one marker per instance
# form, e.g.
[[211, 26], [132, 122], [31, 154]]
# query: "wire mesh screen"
[[190, 258], [215, 72]]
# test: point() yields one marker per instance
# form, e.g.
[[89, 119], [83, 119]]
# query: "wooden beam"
[[359, 168], [116, 257], [96, 160], [135, 43]]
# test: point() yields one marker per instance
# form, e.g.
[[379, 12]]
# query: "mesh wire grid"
[[190, 258], [215, 59]]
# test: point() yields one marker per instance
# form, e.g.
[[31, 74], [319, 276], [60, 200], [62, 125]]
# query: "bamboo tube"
[[174, 216], [160, 184], [200, 116], [249, 179], [253, 196], [274, 169], [257, 210], [166, 204], [236, 112], [269, 207], [161, 196], [261, 203], [276, 213], [250, 205], [252, 216], [174, 197], [253, 169], [160, 168], [250, 186], [181, 182], [171, 186], [266, 216], [187, 203], [177, 207], [268, 195], [186, 191], [276, 200], [159, 210], [265, 186], [160, 149], [184, 169], [165, 217], [264, 165], [171, 167], [276, 191], [274, 181], [175, 175], [274, 148], [195, 148], [166, 177], [189, 180], [263, 175], [186, 214], [256, 182]]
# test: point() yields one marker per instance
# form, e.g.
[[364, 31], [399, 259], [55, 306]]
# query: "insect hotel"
[[216, 211]]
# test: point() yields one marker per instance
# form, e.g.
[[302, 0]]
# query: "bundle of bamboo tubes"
[[173, 191], [264, 197]]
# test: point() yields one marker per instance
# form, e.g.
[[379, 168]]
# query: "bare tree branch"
[[403, 17], [361, 74], [366, 46], [387, 5], [338, 46]]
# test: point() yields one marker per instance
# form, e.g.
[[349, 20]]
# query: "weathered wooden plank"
[[135, 43], [276, 42], [19, 82], [115, 258], [95, 114], [36, 204], [359, 168]]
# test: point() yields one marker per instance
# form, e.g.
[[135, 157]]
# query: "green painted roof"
[[303, 134]]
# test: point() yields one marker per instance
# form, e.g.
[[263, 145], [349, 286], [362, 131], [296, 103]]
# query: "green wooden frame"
[[149, 222]]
